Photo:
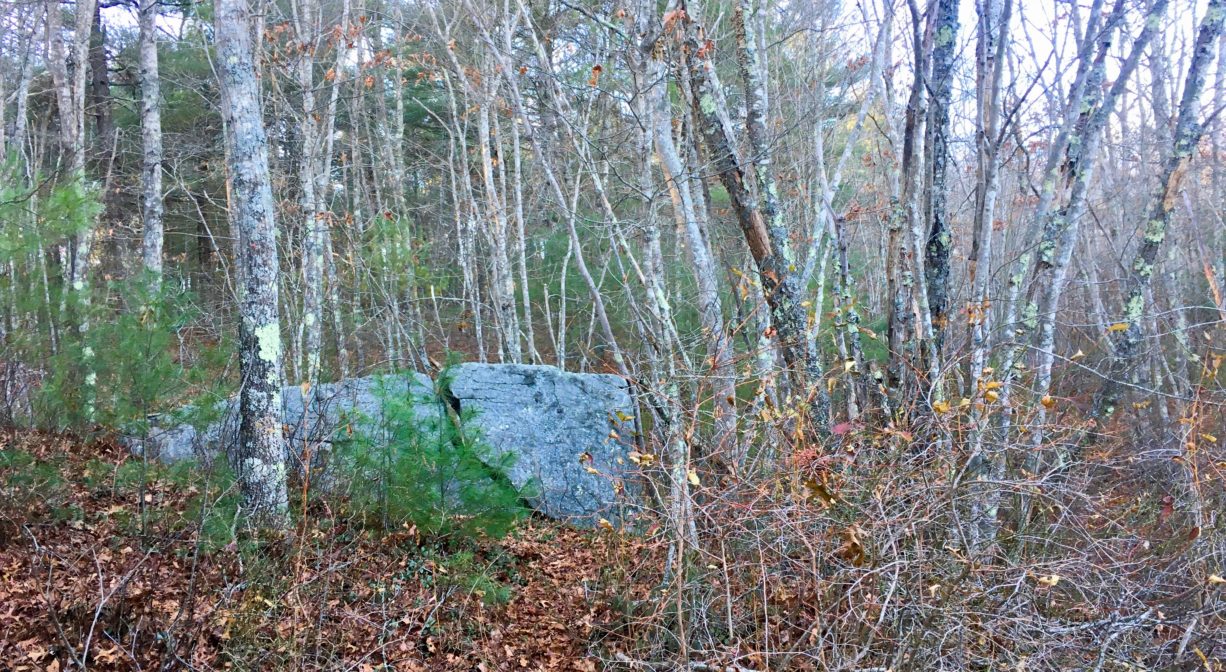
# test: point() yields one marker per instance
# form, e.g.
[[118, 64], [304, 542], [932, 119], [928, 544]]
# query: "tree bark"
[[761, 222], [100, 102], [940, 234], [985, 465], [1187, 135], [151, 143], [70, 101], [1060, 231], [259, 457], [710, 307]]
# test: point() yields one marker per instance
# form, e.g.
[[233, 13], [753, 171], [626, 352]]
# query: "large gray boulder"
[[568, 433], [312, 418]]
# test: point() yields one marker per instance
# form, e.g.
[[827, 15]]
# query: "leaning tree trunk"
[[1188, 132], [259, 458], [710, 309], [760, 221], [151, 143], [1061, 230], [1020, 317]]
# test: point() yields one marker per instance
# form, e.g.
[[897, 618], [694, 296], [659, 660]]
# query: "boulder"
[[311, 417], [568, 433], [355, 405]]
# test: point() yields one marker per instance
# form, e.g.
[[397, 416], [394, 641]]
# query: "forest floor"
[[110, 564]]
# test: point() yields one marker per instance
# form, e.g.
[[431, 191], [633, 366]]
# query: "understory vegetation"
[[919, 306]]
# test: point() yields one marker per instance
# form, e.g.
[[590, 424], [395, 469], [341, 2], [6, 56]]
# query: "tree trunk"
[[940, 235], [710, 309], [100, 100], [1187, 135], [761, 223], [70, 101], [1060, 231], [151, 143], [259, 458], [985, 466]]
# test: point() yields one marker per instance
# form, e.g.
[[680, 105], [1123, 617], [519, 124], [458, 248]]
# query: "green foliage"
[[214, 504], [423, 470], [463, 571], [130, 349], [30, 488]]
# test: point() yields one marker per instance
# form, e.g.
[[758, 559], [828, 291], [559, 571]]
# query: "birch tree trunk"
[[151, 143], [259, 458], [306, 26], [1020, 316], [19, 139], [692, 221], [912, 256], [503, 282], [540, 145]]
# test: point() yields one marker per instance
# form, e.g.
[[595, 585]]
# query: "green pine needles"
[[415, 465]]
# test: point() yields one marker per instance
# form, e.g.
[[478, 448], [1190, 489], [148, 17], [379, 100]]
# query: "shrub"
[[424, 470]]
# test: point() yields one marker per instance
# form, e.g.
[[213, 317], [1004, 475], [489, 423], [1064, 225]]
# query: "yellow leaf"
[[605, 525], [692, 477], [940, 406], [1209, 437], [993, 385], [964, 403], [642, 459], [1047, 401], [991, 395], [849, 366], [1049, 581], [1118, 326], [1216, 580], [1077, 355]]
